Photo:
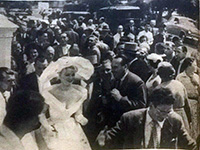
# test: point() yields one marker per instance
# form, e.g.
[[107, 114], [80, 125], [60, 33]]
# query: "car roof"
[[182, 17], [121, 8], [76, 12]]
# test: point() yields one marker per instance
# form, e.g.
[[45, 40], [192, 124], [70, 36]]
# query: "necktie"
[[153, 142]]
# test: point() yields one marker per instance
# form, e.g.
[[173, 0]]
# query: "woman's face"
[[33, 53], [67, 76]]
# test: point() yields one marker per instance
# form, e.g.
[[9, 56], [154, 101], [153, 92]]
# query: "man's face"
[[64, 39], [161, 111], [117, 68], [18, 49], [180, 54], [91, 41], [50, 52], [147, 28], [106, 70], [120, 29], [7, 82], [40, 66]]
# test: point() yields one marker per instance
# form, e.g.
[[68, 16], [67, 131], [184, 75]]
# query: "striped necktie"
[[153, 142]]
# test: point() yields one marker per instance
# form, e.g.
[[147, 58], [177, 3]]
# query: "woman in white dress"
[[62, 130]]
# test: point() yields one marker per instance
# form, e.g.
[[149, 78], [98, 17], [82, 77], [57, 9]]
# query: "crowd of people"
[[74, 84]]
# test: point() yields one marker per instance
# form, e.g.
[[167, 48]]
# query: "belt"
[[179, 108]]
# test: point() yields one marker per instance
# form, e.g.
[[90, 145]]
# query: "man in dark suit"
[[178, 61], [129, 91], [140, 67], [73, 36], [63, 48], [158, 126], [22, 117]]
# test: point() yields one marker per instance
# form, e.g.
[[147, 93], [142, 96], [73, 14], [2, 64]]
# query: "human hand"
[[101, 138], [116, 94], [81, 119]]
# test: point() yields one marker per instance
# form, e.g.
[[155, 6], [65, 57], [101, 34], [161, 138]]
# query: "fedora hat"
[[105, 28]]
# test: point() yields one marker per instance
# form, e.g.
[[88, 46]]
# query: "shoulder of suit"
[[134, 77], [134, 113], [173, 116]]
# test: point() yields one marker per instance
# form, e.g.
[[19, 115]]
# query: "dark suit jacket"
[[109, 40], [58, 52], [73, 37], [133, 90], [140, 68], [29, 82], [175, 63], [129, 131]]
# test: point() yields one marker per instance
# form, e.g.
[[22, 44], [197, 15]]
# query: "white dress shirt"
[[148, 129], [179, 67]]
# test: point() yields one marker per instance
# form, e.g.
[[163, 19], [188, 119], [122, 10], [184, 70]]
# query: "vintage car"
[[75, 14], [183, 27], [18, 8], [121, 14]]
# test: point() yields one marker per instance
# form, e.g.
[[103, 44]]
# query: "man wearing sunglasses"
[[157, 126]]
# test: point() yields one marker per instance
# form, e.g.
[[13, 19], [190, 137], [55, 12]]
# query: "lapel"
[[59, 51], [167, 138], [139, 137], [122, 87], [175, 63], [182, 66], [134, 135]]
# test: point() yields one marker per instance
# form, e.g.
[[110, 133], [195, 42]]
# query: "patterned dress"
[[192, 86]]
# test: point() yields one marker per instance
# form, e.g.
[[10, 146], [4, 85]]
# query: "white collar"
[[122, 79], [182, 61]]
